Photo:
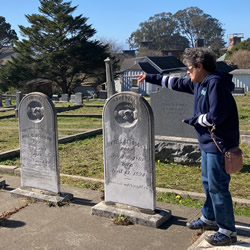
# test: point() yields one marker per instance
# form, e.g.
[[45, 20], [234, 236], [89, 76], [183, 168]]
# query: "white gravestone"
[[38, 143], [129, 151]]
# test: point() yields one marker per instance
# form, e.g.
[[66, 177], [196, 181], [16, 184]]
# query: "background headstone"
[[78, 98], [72, 98], [38, 143], [7, 102], [170, 108], [128, 132], [64, 98]]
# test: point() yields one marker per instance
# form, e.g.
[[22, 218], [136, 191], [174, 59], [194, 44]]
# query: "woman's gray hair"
[[205, 56]]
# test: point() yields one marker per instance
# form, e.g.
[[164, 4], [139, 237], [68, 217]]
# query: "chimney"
[[234, 39]]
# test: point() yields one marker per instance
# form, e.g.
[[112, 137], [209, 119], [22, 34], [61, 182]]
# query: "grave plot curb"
[[7, 116], [90, 116], [70, 138]]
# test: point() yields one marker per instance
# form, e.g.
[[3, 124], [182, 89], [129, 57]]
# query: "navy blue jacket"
[[213, 105]]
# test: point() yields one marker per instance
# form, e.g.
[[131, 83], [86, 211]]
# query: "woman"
[[214, 108]]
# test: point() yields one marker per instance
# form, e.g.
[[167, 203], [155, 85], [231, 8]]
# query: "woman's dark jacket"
[[212, 97]]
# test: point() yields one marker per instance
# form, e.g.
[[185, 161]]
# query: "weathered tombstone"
[[1, 99], [170, 108], [39, 149], [72, 98], [64, 98], [175, 140], [110, 84], [7, 102], [129, 163], [78, 98]]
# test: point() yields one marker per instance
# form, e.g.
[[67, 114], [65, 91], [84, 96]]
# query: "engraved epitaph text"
[[170, 108]]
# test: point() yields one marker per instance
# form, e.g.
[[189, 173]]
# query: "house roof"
[[152, 64], [166, 63], [131, 63], [240, 72], [148, 68], [222, 66]]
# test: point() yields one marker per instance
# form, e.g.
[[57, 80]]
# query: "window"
[[134, 82]]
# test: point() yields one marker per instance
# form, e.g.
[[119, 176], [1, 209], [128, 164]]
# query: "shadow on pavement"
[[11, 223], [80, 201], [174, 220]]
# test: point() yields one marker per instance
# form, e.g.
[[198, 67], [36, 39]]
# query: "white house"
[[241, 78], [149, 65]]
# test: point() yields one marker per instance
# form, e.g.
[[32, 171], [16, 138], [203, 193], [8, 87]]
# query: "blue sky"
[[117, 19]]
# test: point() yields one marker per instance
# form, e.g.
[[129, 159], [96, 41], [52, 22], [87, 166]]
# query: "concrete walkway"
[[39, 226]]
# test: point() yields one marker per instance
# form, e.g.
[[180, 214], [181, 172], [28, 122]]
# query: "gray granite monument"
[[78, 98], [39, 149], [170, 108], [8, 102], [64, 98], [129, 162], [175, 141]]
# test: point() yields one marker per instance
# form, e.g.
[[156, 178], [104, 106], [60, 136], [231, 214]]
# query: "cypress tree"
[[56, 46]]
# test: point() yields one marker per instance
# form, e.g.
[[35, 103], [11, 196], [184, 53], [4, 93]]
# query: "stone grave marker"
[[129, 163], [8, 102], [78, 98], [170, 108], [39, 149], [72, 98], [64, 98], [175, 141]]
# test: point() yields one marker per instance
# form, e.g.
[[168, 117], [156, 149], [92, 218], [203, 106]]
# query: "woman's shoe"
[[199, 224], [219, 239]]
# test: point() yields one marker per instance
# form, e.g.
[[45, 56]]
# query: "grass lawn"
[[85, 111]]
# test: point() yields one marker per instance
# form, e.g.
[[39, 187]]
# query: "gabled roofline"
[[153, 64]]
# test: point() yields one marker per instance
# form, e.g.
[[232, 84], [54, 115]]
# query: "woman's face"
[[196, 74]]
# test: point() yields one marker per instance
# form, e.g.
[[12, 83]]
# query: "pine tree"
[[57, 46]]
